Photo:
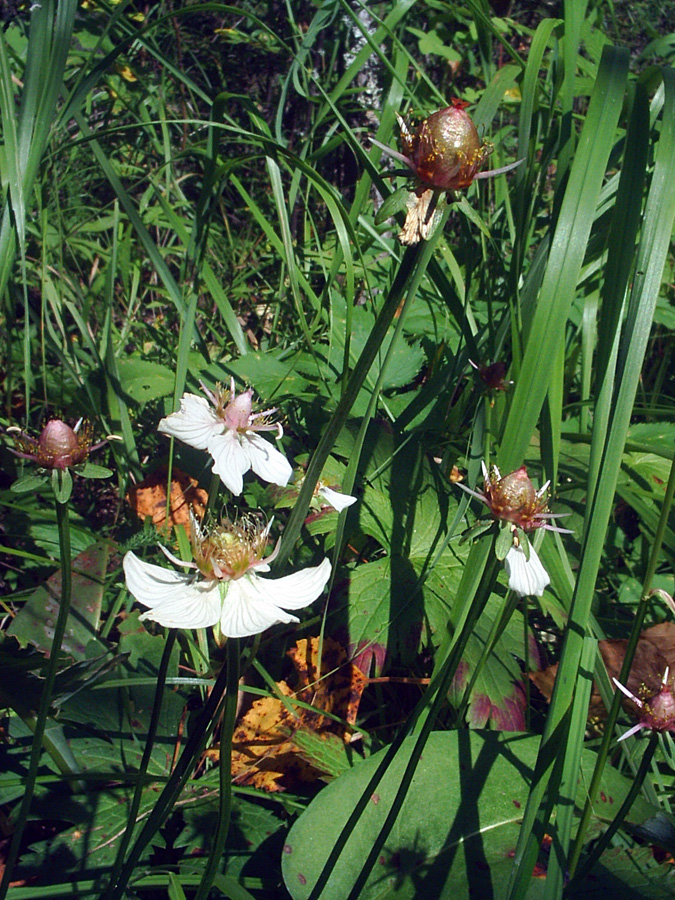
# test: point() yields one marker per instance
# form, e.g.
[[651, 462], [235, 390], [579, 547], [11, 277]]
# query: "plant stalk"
[[47, 690]]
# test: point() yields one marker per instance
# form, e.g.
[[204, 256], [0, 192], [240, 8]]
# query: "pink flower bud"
[[58, 447], [657, 713]]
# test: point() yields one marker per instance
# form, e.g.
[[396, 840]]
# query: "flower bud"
[[513, 497], [445, 152], [58, 442], [657, 713], [58, 447]]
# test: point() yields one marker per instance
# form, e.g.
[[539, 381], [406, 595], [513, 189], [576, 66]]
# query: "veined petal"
[[175, 600], [337, 500], [292, 591], [194, 423], [527, 578], [230, 461], [266, 461], [246, 612], [252, 604]]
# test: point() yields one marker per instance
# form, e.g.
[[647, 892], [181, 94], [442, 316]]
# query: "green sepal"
[[504, 541], [478, 528], [28, 483], [394, 203], [524, 543], [62, 484], [91, 470]]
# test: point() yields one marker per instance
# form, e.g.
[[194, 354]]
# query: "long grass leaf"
[[566, 256]]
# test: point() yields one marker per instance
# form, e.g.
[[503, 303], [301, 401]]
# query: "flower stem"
[[340, 414], [225, 770], [145, 759], [46, 698], [631, 646], [618, 819], [188, 759]]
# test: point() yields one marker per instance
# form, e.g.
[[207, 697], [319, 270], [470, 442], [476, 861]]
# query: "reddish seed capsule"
[[514, 499], [445, 152]]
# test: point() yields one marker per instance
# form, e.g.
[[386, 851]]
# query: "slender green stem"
[[633, 639], [618, 819], [145, 759], [437, 697], [184, 767], [46, 698], [413, 257], [225, 771], [425, 713]]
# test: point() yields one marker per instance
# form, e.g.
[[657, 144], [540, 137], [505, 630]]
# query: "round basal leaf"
[[456, 832], [143, 380], [34, 622]]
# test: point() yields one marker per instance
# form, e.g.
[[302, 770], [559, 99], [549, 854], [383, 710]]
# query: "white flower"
[[527, 577], [227, 593], [228, 429], [335, 499]]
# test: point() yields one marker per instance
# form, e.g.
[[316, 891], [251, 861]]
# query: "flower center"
[[231, 549]]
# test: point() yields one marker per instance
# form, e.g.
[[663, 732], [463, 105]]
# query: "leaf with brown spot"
[[148, 498], [264, 752]]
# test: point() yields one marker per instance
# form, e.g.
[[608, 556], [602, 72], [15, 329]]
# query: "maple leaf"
[[264, 752]]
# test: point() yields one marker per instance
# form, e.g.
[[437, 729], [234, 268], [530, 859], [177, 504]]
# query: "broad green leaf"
[[143, 380], [34, 623], [403, 367], [498, 696], [254, 831], [269, 374], [456, 831], [631, 873]]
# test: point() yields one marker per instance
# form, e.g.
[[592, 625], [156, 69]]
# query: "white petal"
[[267, 462], [175, 600], [293, 591], [527, 578], [253, 604], [194, 423], [631, 731], [336, 499], [230, 460], [245, 612], [624, 690]]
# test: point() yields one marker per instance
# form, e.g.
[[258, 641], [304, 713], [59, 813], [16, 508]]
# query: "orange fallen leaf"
[[264, 754], [148, 498]]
